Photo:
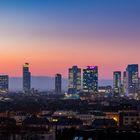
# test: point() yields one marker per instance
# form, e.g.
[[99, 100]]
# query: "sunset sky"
[[53, 35]]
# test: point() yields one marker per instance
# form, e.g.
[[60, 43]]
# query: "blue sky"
[[47, 33]]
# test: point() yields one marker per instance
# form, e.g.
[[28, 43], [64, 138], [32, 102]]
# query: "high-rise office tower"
[[132, 79], [90, 79], [124, 82], [74, 80], [117, 82], [58, 83], [26, 78], [4, 83]]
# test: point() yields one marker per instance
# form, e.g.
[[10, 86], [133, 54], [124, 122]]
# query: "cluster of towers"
[[77, 81], [4, 80], [86, 82], [130, 84]]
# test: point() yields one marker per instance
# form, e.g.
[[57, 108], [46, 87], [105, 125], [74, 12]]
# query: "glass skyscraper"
[[90, 79], [132, 79], [74, 80], [58, 83], [4, 83], [117, 82], [124, 82], [26, 78]]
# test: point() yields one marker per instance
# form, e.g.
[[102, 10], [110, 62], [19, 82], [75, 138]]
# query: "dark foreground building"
[[107, 135]]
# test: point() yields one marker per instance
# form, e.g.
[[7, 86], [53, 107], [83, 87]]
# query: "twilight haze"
[[53, 35]]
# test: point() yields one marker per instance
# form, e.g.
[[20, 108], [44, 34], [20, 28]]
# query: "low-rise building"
[[129, 118], [63, 123], [36, 122], [104, 123], [20, 117], [62, 113]]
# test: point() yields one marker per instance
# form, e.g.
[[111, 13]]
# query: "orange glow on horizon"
[[51, 56]]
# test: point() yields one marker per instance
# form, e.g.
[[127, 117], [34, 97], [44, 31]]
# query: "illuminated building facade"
[[26, 78], [124, 82], [58, 83], [90, 79], [129, 117], [105, 89], [117, 82], [4, 83], [74, 80], [132, 79]]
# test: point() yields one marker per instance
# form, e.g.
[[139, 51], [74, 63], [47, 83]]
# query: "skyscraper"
[[74, 80], [132, 79], [124, 82], [117, 82], [58, 83], [90, 79], [4, 83], [26, 78]]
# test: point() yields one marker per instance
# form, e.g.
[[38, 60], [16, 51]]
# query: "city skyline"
[[120, 81], [53, 36]]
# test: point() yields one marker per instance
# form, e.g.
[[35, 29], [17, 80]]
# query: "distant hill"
[[37, 82], [43, 83]]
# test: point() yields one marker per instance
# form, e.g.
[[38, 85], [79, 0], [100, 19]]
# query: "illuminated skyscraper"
[[26, 78], [117, 82], [90, 79], [74, 80], [132, 79], [58, 83], [124, 82], [4, 83]]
